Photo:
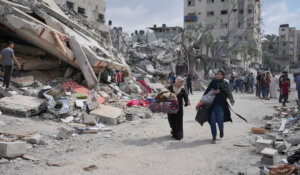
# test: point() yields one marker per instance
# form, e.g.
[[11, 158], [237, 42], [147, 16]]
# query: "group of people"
[[219, 111], [243, 84]]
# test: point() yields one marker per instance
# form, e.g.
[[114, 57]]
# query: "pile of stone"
[[280, 144]]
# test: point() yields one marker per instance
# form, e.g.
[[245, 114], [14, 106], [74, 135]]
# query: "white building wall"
[[202, 7]]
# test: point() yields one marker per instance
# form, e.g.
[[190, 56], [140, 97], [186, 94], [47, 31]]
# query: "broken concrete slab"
[[262, 144], [5, 93], [83, 62], [23, 81], [65, 132], [107, 114], [22, 106], [270, 156], [12, 149]]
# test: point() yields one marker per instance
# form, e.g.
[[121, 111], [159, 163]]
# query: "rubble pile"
[[150, 59], [280, 143]]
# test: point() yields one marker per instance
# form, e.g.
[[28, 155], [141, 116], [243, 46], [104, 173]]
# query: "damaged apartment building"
[[238, 20], [62, 36]]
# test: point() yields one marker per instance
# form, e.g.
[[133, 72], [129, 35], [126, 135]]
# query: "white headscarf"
[[175, 86]]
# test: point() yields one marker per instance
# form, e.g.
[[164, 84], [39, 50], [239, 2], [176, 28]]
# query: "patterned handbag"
[[170, 107]]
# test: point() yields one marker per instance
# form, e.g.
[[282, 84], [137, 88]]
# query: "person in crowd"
[[185, 81], [246, 83], [267, 86], [252, 82], [119, 78], [258, 87], [9, 59], [282, 78], [176, 120], [231, 83], [189, 84], [238, 85], [274, 87], [297, 81], [285, 90], [262, 85], [219, 110]]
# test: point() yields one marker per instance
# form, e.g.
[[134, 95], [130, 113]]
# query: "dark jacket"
[[221, 98]]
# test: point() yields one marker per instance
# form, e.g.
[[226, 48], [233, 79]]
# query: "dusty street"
[[145, 146]]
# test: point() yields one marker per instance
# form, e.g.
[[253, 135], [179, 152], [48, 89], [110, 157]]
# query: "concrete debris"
[[35, 139], [65, 132], [108, 114], [88, 119], [12, 149], [18, 105], [262, 144]]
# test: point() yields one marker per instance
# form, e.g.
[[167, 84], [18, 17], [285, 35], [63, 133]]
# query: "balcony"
[[191, 18]]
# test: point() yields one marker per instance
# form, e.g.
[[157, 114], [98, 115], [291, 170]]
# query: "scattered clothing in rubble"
[[138, 103], [145, 84], [176, 120], [294, 158]]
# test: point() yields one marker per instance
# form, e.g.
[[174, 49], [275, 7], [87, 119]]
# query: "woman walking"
[[176, 120], [219, 111]]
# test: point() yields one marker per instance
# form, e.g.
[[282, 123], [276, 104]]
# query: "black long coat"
[[221, 98], [176, 120]]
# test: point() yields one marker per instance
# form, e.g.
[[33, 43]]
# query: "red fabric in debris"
[[138, 103], [145, 84], [76, 88]]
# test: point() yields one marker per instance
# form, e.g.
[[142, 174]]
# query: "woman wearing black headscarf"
[[219, 111]]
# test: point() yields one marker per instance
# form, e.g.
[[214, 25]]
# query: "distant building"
[[92, 10], [289, 44], [165, 32], [221, 15]]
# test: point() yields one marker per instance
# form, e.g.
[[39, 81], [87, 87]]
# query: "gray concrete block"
[[35, 139], [88, 119], [262, 144], [108, 114], [12, 149], [269, 152], [65, 133], [92, 106]]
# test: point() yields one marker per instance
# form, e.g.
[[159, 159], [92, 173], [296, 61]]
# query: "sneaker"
[[222, 134], [214, 141]]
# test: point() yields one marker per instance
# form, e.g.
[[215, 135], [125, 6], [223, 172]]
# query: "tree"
[[200, 38]]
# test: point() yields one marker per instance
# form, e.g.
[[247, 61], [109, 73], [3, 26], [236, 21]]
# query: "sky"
[[140, 14]]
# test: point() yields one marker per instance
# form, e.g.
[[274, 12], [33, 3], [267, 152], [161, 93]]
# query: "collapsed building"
[[43, 25]]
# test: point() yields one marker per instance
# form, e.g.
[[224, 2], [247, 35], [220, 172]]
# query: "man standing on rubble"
[[9, 59], [119, 78]]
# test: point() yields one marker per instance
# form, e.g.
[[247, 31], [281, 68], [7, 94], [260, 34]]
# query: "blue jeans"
[[267, 90], [238, 86], [217, 116], [231, 86]]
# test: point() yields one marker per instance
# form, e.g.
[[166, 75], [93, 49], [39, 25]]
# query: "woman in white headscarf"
[[176, 120]]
